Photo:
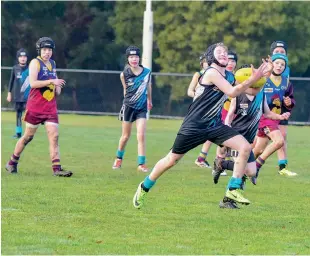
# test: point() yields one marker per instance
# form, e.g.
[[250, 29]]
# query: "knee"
[[27, 138], [251, 172], [125, 137], [171, 161], [279, 143], [245, 149]]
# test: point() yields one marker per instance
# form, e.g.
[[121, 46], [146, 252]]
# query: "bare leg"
[[164, 164], [260, 145], [126, 132], [53, 136], [141, 128], [24, 140], [282, 152], [277, 142]]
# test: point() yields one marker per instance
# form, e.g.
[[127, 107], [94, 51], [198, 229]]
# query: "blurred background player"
[[41, 106], [268, 129], [193, 91], [18, 84], [136, 81], [244, 114], [203, 122], [281, 47]]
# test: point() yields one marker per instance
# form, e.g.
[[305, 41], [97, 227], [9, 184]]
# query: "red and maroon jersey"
[[42, 100]]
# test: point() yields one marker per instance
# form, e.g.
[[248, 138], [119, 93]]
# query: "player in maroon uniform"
[[41, 106]]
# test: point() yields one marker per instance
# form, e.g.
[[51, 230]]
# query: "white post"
[[147, 40]]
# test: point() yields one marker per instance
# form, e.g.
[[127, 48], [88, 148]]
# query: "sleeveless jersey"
[[205, 111], [18, 83], [136, 88], [42, 100], [274, 96], [247, 115]]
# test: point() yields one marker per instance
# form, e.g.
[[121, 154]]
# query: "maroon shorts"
[[36, 118], [264, 131]]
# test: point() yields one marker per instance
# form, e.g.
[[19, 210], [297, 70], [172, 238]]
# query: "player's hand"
[[149, 105], [287, 101], [258, 73], [58, 90], [286, 115], [58, 82], [9, 98], [269, 68]]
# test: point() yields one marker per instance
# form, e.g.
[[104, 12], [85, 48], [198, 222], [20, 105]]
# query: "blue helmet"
[[280, 56]]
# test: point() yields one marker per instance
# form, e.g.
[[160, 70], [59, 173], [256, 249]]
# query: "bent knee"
[[125, 137], [245, 149], [279, 143], [251, 172], [171, 161], [27, 139]]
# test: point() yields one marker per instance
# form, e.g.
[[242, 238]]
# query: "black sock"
[[144, 188], [228, 165], [282, 166]]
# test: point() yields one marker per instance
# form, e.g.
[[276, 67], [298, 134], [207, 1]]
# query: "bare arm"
[[123, 82], [33, 75], [149, 95], [11, 84], [231, 112], [214, 77], [192, 85], [271, 115]]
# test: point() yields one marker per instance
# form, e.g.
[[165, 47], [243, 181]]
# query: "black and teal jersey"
[[205, 111], [136, 88], [247, 115], [19, 82]]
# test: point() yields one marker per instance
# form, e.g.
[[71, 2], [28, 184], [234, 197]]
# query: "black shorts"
[[184, 143], [128, 114], [283, 122], [20, 106]]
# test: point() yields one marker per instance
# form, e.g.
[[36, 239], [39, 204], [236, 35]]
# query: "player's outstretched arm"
[[217, 79]]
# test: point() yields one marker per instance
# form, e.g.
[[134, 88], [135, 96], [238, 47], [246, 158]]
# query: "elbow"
[[232, 94]]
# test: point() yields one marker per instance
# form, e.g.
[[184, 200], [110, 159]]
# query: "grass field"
[[92, 212]]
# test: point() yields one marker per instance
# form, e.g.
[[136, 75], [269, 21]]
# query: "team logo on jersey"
[[48, 92], [45, 71], [19, 75], [130, 82], [283, 87], [244, 108], [276, 104], [54, 71], [268, 90]]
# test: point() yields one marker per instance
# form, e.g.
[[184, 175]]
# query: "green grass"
[[92, 212]]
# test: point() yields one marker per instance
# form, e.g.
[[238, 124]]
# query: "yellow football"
[[244, 74]]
